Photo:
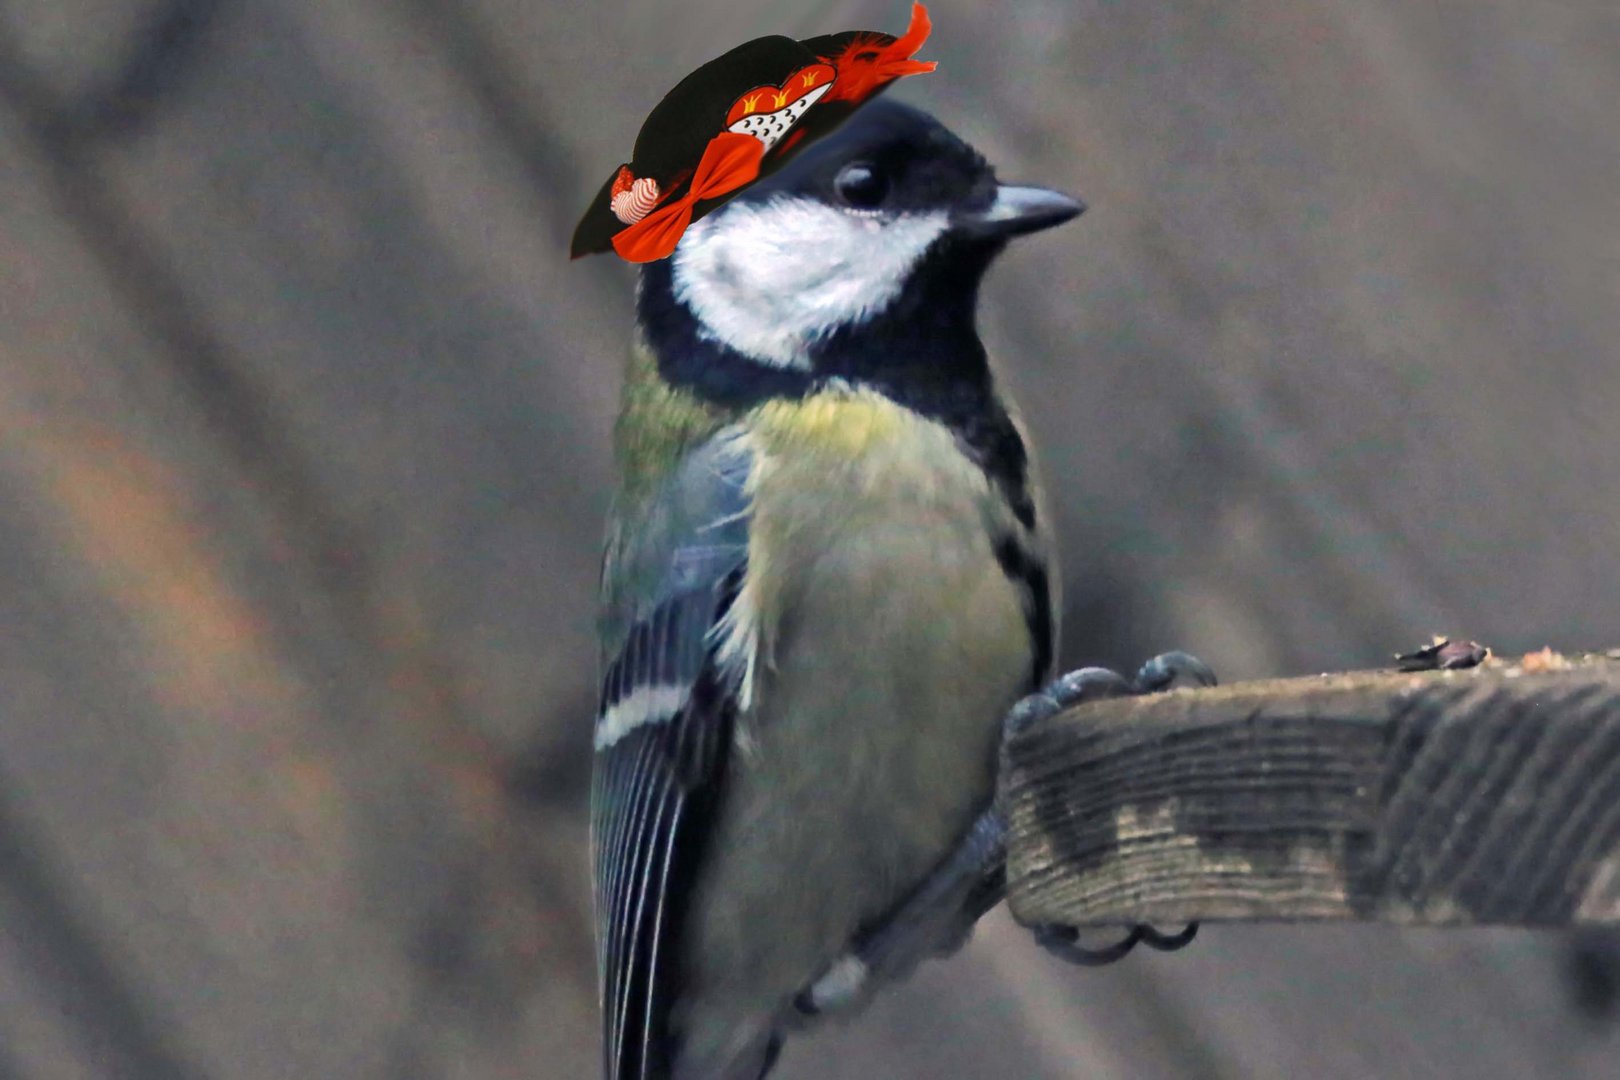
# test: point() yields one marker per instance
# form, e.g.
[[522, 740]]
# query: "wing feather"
[[663, 728]]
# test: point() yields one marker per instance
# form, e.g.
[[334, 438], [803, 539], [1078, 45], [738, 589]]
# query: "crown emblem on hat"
[[767, 112], [733, 121]]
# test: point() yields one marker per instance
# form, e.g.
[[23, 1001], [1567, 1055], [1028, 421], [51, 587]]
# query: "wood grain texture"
[[1489, 796]]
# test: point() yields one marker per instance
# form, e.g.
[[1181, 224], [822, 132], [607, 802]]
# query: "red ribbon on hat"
[[730, 161]]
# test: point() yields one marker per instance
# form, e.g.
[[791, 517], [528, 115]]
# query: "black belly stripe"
[[1029, 571], [990, 439]]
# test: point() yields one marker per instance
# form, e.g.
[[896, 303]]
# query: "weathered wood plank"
[[1461, 797]]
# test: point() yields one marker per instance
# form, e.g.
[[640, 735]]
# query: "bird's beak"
[[1017, 210]]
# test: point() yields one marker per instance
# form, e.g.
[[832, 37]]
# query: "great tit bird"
[[827, 580]]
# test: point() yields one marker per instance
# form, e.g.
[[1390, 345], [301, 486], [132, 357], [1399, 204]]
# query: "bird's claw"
[[1153, 939], [1161, 672], [1086, 684], [1097, 683], [1092, 684], [1064, 943]]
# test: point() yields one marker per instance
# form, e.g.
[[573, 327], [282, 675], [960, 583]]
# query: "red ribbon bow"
[[730, 161]]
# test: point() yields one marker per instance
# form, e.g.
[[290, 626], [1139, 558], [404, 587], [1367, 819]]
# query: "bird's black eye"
[[861, 186]]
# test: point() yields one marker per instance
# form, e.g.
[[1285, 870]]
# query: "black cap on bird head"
[[734, 120]]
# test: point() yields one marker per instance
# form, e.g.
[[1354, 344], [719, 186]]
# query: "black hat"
[[734, 120]]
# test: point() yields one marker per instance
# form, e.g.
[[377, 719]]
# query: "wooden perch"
[[1447, 797]]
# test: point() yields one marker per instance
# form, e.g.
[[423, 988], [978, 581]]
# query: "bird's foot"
[[1093, 684], [1098, 683], [1064, 943]]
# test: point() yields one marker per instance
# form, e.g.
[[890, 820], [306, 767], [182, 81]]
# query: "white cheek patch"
[[771, 279]]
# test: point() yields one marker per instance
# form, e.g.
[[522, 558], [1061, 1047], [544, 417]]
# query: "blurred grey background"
[[303, 452]]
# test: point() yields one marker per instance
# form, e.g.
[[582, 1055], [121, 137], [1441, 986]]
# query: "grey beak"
[[1018, 210]]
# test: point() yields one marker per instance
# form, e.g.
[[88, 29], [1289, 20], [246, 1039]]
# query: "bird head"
[[882, 228]]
